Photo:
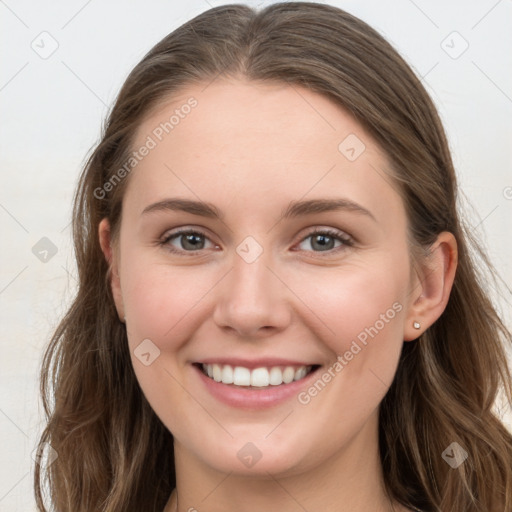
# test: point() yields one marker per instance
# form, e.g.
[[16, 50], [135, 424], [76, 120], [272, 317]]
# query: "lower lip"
[[254, 398]]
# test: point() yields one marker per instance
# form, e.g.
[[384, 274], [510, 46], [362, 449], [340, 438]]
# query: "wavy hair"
[[114, 453]]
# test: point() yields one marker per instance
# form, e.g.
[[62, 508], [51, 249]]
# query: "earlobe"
[[110, 256], [435, 281]]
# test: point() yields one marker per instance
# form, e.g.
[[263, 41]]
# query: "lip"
[[254, 399], [255, 363]]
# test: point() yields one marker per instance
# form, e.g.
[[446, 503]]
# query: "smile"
[[258, 377], [257, 384]]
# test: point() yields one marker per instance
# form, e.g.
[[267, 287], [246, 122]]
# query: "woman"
[[277, 309]]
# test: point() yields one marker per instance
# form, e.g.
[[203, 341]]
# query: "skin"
[[250, 149]]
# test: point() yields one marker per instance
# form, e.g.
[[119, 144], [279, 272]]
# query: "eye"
[[189, 240], [323, 240]]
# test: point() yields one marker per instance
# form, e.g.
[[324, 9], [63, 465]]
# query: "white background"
[[52, 109]]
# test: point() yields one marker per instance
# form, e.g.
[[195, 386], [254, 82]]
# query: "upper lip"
[[254, 363]]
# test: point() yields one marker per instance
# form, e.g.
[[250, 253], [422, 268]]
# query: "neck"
[[347, 480]]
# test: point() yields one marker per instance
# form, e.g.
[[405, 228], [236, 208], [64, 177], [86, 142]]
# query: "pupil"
[[189, 239], [323, 239]]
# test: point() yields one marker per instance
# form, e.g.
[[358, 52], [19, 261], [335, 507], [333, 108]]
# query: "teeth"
[[259, 377], [241, 376], [276, 376], [288, 375], [227, 374]]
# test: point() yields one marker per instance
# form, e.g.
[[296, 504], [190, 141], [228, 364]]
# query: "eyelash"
[[346, 240]]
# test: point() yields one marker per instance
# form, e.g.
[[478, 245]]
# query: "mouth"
[[255, 378]]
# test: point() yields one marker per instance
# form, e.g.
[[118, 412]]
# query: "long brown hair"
[[113, 452]]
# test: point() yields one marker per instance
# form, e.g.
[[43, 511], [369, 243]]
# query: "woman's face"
[[255, 288]]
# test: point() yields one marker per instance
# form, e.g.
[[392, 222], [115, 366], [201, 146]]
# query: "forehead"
[[232, 140]]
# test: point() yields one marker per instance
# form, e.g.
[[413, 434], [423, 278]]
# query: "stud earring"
[[416, 325]]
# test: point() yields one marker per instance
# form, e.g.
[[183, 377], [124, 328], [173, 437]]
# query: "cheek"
[[160, 302], [159, 298], [361, 312], [356, 303]]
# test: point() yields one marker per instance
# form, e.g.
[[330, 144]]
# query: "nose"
[[252, 300]]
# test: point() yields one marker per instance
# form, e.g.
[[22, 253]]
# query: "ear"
[[112, 260], [432, 286]]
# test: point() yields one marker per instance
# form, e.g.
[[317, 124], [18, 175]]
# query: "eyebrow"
[[294, 209]]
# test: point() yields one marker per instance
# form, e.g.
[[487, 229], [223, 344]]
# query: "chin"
[[260, 459]]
